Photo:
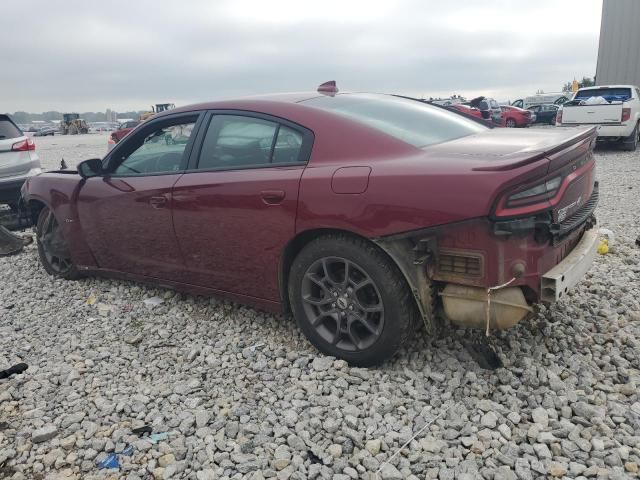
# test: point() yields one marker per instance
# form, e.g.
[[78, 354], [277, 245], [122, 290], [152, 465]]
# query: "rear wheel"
[[350, 300], [511, 123], [53, 249], [631, 142]]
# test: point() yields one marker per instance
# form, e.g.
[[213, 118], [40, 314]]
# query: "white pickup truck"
[[615, 109]]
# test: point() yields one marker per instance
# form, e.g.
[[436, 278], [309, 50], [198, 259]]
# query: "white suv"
[[18, 161]]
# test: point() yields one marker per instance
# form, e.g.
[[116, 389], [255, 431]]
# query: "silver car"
[[18, 161]]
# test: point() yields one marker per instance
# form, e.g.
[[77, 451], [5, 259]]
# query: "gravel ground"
[[241, 394], [73, 148]]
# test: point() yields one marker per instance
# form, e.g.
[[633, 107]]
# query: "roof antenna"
[[63, 165], [328, 88]]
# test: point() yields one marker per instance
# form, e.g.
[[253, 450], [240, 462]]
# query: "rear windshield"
[[8, 128], [609, 94], [411, 121]]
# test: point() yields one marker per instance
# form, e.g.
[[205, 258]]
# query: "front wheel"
[[350, 300], [511, 123], [53, 249]]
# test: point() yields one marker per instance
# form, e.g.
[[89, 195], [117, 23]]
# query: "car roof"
[[289, 97]]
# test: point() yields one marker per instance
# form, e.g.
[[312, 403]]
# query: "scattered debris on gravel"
[[221, 391]]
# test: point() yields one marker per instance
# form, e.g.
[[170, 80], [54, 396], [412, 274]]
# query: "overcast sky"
[[88, 56]]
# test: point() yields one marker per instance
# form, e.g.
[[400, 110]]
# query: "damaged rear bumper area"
[[485, 274], [557, 281]]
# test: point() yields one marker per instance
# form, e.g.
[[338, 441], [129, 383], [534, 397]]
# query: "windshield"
[[411, 121]]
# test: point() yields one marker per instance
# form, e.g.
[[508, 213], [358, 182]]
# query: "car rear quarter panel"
[[403, 194]]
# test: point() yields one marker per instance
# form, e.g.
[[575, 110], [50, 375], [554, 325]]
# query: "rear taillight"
[[24, 146], [626, 114], [538, 193], [559, 116]]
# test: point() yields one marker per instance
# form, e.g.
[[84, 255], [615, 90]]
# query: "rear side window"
[[234, 141], [411, 121], [8, 128]]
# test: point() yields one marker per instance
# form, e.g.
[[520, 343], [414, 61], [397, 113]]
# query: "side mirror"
[[90, 168]]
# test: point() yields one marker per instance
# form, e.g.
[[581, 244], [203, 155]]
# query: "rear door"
[[234, 211], [126, 214]]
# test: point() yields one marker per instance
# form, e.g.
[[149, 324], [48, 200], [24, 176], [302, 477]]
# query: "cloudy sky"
[[86, 55]]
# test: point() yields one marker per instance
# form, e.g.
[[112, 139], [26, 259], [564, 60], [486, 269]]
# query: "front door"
[[235, 211], [126, 214]]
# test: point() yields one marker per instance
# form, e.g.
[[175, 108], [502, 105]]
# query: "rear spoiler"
[[532, 157]]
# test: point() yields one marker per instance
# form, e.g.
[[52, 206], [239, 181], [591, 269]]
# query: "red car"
[[361, 214], [467, 110], [119, 134], [513, 117]]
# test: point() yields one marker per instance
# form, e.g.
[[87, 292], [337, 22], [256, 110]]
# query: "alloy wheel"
[[342, 303]]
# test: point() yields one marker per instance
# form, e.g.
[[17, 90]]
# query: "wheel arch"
[[295, 246], [34, 207]]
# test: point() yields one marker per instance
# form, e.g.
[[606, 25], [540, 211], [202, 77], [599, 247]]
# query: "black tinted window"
[[8, 129], [411, 121], [608, 93], [234, 141]]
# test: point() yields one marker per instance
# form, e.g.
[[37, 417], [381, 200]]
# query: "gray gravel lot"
[[242, 394], [73, 148]]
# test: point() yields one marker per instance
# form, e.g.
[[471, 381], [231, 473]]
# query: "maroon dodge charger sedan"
[[365, 216]]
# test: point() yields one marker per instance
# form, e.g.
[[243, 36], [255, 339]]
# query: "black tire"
[[393, 315], [511, 123], [631, 142], [552, 120], [52, 247]]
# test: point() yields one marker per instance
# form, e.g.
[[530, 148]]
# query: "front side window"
[[158, 151], [234, 141]]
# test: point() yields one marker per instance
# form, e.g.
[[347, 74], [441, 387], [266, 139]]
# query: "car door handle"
[[272, 197], [158, 202]]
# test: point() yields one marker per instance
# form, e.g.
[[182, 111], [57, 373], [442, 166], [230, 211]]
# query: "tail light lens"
[[24, 146], [559, 116], [626, 114], [538, 193]]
